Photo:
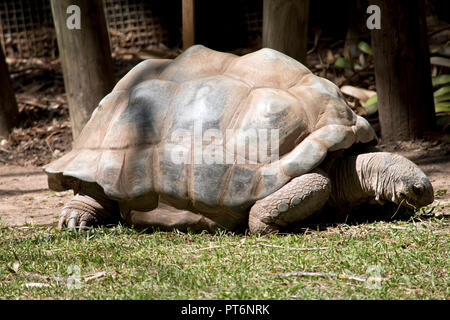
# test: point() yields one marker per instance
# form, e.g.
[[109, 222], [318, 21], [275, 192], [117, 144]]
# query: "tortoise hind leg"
[[89, 207], [295, 201], [167, 218]]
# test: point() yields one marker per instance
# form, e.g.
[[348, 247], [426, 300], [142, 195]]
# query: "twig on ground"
[[48, 145], [35, 285], [31, 103], [325, 275], [398, 227], [36, 276], [288, 248], [94, 276]]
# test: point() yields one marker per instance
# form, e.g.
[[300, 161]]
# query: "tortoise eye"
[[417, 189]]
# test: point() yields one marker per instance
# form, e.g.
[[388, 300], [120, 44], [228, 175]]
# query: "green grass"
[[410, 255]]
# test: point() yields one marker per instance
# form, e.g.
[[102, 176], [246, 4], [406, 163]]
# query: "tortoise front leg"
[[295, 201], [89, 207]]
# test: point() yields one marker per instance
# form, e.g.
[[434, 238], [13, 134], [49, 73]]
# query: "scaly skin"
[[295, 201], [378, 177]]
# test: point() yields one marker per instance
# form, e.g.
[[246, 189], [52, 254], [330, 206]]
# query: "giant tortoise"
[[212, 140]]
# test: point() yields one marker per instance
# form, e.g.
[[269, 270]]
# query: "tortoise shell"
[[131, 142]]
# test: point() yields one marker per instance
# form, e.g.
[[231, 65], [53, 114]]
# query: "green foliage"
[[441, 95], [365, 47], [440, 80], [371, 105], [442, 91], [442, 107], [442, 99], [342, 63]]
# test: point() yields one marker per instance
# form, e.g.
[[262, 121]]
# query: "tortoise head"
[[402, 182]]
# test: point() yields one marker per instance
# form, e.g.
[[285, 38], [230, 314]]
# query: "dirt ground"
[[26, 199]]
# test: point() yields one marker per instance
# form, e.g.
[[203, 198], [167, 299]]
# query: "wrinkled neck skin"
[[359, 179]]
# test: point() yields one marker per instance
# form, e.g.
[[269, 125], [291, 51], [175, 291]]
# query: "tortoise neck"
[[355, 180]]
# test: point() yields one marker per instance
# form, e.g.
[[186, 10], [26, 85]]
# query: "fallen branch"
[[31, 103], [97, 275], [288, 248], [399, 228], [47, 279], [329, 275], [35, 285]]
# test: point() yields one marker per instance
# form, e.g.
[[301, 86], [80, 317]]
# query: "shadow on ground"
[[364, 214]]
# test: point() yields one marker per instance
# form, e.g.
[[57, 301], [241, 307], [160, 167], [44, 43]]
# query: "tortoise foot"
[[84, 212]]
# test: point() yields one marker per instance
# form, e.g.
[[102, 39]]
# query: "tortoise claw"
[[73, 219], [83, 225], [62, 218]]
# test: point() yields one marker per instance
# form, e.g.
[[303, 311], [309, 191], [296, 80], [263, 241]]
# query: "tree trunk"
[[188, 21], [285, 27], [9, 113], [85, 57], [402, 70]]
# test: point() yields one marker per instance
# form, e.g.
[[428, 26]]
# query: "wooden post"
[[188, 20], [85, 56], [9, 113], [285, 27], [402, 70]]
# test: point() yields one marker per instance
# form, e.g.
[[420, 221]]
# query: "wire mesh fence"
[[27, 30], [132, 24]]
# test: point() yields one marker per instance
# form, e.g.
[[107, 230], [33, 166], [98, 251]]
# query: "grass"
[[410, 255]]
